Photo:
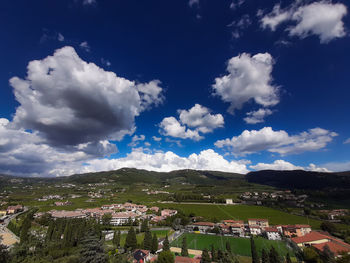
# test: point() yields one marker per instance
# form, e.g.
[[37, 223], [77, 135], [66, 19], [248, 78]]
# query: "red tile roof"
[[179, 259], [335, 247], [312, 236], [271, 229]]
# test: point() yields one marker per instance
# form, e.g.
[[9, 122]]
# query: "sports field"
[[242, 212], [240, 246]]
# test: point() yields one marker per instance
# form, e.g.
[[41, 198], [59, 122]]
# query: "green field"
[[243, 212], [240, 246]]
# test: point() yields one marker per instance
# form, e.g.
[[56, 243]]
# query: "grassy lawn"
[[243, 212], [240, 246]]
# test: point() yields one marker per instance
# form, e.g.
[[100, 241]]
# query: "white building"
[[272, 233]]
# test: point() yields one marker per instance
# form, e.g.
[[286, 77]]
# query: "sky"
[[231, 85]]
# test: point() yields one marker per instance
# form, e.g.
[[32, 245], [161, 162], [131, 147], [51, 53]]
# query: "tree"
[[154, 247], [147, 240], [184, 250], [264, 256], [311, 256], [24, 236], [144, 226], [92, 249], [255, 256], [214, 255], [288, 260], [328, 227], [67, 235], [116, 238], [228, 247], [273, 256], [50, 231], [205, 256], [166, 245], [106, 219], [165, 257], [327, 255], [131, 241]]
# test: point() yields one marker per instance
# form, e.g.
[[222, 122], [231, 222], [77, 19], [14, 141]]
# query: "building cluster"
[[142, 255], [335, 214], [252, 227], [50, 197], [12, 209], [285, 196], [62, 203], [120, 214], [320, 240]]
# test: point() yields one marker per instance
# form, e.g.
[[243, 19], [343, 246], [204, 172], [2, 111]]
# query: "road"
[[9, 238]]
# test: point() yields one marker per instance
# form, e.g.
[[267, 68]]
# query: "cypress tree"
[[184, 250], [327, 254], [255, 256], [24, 236], [228, 247], [49, 232], [214, 256], [131, 241], [264, 256], [147, 241], [116, 238], [288, 260], [154, 247], [166, 246], [273, 256], [92, 249], [67, 235], [205, 256]]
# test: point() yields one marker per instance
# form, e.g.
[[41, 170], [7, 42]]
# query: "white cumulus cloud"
[[266, 139], [323, 19], [285, 166], [192, 122], [168, 161], [249, 78]]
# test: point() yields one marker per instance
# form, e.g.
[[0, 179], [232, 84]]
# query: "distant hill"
[[131, 175], [299, 179]]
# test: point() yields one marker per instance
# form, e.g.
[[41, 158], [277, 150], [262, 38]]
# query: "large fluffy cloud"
[[323, 19], [192, 122], [168, 161], [276, 141], [69, 101], [249, 78], [284, 165]]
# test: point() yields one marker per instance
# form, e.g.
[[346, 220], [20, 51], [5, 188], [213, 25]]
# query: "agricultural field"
[[216, 212], [240, 246]]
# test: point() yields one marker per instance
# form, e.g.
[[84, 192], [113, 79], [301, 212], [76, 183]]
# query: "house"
[[67, 214], [168, 212], [62, 203], [258, 222], [255, 230], [229, 201], [179, 259], [154, 209], [141, 256], [14, 209], [336, 248], [122, 218], [272, 233], [235, 227], [294, 230], [202, 226], [319, 240], [3, 212]]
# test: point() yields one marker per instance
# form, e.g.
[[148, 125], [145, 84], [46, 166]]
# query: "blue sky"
[[222, 85]]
